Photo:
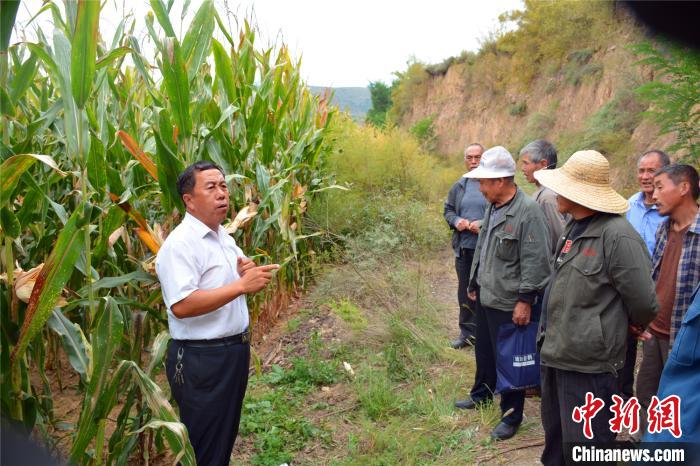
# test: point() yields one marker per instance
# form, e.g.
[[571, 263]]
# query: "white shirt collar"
[[198, 226]]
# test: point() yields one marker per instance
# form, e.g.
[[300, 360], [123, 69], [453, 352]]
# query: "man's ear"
[[187, 198], [543, 163], [684, 187]]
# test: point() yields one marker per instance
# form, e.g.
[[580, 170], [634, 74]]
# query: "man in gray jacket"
[[541, 155], [510, 269]]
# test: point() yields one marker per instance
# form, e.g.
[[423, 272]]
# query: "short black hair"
[[663, 157], [185, 182], [679, 172]]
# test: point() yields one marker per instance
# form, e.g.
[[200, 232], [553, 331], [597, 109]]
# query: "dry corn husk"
[[242, 218], [24, 282]]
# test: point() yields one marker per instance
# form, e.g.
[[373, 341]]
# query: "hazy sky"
[[346, 43]]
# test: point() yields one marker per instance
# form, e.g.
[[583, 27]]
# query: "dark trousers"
[[654, 356], [562, 391], [487, 323], [210, 396], [626, 377], [467, 314]]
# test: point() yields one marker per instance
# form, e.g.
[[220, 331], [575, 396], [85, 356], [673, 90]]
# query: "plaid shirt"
[[688, 274]]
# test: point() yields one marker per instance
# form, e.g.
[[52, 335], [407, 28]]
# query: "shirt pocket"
[[506, 246]]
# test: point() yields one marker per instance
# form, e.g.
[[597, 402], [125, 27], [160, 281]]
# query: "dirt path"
[[281, 343], [526, 447]]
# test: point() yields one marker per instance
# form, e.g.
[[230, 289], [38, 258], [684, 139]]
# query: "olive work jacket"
[[517, 262], [603, 284]]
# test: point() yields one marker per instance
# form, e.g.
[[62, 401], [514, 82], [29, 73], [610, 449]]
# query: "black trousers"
[[467, 307], [626, 378], [562, 391], [487, 323], [210, 395]]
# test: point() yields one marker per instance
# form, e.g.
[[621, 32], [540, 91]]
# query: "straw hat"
[[495, 163], [585, 180]]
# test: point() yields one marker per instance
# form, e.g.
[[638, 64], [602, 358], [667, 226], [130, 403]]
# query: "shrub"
[[518, 109]]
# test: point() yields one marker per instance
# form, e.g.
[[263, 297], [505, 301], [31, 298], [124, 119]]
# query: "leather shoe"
[[470, 404], [503, 431], [460, 343]]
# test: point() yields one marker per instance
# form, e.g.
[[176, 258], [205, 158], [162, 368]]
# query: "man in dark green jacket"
[[510, 269], [601, 283]]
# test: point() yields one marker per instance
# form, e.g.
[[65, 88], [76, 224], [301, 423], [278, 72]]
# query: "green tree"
[[674, 93], [381, 103]]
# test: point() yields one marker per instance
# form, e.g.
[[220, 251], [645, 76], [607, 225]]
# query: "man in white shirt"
[[204, 278]]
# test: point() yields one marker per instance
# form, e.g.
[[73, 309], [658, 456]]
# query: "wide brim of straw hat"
[[584, 179]]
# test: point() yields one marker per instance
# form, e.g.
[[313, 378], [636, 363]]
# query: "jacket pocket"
[[686, 349], [506, 245]]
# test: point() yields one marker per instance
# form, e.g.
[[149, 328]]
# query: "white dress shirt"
[[194, 257]]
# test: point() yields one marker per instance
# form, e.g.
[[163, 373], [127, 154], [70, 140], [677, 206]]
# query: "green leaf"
[[84, 50], [177, 85], [10, 224], [163, 18], [197, 41], [224, 70], [113, 282], [169, 168], [24, 78], [8, 13], [97, 167], [160, 347], [106, 60], [53, 277], [12, 168], [100, 395], [74, 343]]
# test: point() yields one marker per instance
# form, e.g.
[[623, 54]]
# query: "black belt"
[[241, 338]]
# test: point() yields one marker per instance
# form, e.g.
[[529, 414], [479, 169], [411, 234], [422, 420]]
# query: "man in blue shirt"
[[643, 215], [645, 218]]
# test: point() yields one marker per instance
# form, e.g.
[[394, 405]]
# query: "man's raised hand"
[[257, 277], [244, 264]]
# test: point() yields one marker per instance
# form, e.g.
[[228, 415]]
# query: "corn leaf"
[[10, 225], [53, 277], [84, 50], [97, 168], [12, 169], [138, 154], [169, 168], [74, 343], [158, 350], [8, 12], [24, 78], [224, 70], [177, 85], [197, 41], [99, 399], [113, 54], [163, 18]]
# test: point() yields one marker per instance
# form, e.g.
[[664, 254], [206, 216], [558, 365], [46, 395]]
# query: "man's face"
[[472, 157], [491, 188], [648, 165], [529, 167], [564, 205], [209, 199], [667, 195]]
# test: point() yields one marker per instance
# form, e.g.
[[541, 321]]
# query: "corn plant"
[[91, 148]]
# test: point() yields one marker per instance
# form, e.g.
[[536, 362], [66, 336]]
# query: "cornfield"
[[92, 144]]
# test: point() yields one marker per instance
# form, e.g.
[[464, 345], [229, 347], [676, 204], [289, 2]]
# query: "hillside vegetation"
[[566, 71]]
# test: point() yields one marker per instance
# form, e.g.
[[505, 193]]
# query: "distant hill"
[[354, 100]]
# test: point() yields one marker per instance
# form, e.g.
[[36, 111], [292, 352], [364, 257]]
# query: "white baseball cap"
[[495, 163]]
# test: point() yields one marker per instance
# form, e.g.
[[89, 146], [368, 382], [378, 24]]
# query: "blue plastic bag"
[[518, 361]]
